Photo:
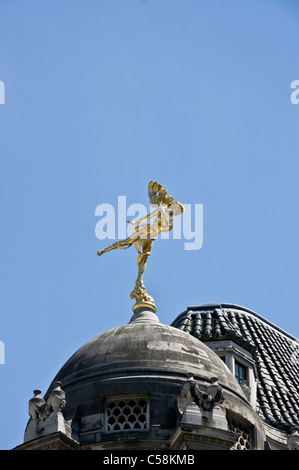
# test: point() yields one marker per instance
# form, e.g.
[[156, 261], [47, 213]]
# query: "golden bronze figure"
[[144, 235]]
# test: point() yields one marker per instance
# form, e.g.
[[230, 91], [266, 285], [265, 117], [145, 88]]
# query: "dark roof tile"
[[276, 354]]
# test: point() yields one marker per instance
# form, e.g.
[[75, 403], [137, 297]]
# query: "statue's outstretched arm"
[[144, 218]]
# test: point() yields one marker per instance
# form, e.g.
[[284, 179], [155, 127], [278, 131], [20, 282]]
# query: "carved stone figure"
[[187, 395], [214, 395], [246, 389], [205, 400], [56, 399], [37, 406], [293, 439]]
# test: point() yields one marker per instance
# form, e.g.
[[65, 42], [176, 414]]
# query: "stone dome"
[[142, 361], [145, 347]]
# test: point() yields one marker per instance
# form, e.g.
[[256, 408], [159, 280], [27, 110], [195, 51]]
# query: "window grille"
[[127, 413], [243, 442]]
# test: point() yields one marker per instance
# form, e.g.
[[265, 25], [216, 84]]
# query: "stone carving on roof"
[[275, 352], [56, 399], [191, 392], [202, 408], [293, 439], [39, 408], [45, 414]]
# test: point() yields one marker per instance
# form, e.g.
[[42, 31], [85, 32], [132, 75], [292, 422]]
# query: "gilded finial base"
[[145, 306], [145, 313], [143, 299]]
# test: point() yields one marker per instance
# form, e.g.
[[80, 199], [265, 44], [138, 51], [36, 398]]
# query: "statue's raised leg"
[[123, 244]]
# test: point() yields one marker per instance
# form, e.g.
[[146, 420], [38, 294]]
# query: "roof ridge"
[[275, 352], [244, 309]]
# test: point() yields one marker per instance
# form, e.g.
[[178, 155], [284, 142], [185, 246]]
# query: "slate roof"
[[276, 354]]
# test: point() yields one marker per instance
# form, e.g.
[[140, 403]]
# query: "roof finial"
[[144, 235]]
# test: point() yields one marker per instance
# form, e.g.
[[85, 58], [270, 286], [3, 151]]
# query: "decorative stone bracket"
[[45, 415], [41, 409], [206, 400], [202, 418], [202, 408], [293, 439]]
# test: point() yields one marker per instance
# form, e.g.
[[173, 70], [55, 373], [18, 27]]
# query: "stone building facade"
[[220, 377]]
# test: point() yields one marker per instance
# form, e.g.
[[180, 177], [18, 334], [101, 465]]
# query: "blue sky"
[[100, 98]]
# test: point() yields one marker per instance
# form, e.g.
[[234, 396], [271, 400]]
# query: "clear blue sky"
[[102, 96]]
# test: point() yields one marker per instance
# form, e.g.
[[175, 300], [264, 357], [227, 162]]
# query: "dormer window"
[[240, 363], [240, 372]]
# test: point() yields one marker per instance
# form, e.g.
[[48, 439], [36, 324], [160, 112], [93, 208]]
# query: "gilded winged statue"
[[144, 234]]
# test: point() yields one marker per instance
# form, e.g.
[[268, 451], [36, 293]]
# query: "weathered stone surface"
[[190, 437], [55, 422], [145, 345], [293, 440], [56, 398], [37, 405], [144, 358], [56, 441], [275, 352]]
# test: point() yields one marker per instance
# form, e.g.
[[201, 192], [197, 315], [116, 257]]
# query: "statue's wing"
[[216, 392], [199, 396], [157, 195], [182, 403]]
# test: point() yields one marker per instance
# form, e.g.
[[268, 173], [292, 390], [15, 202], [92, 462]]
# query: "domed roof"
[[142, 361], [147, 346]]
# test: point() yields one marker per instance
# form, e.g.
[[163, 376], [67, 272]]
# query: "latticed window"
[[243, 431], [124, 413]]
